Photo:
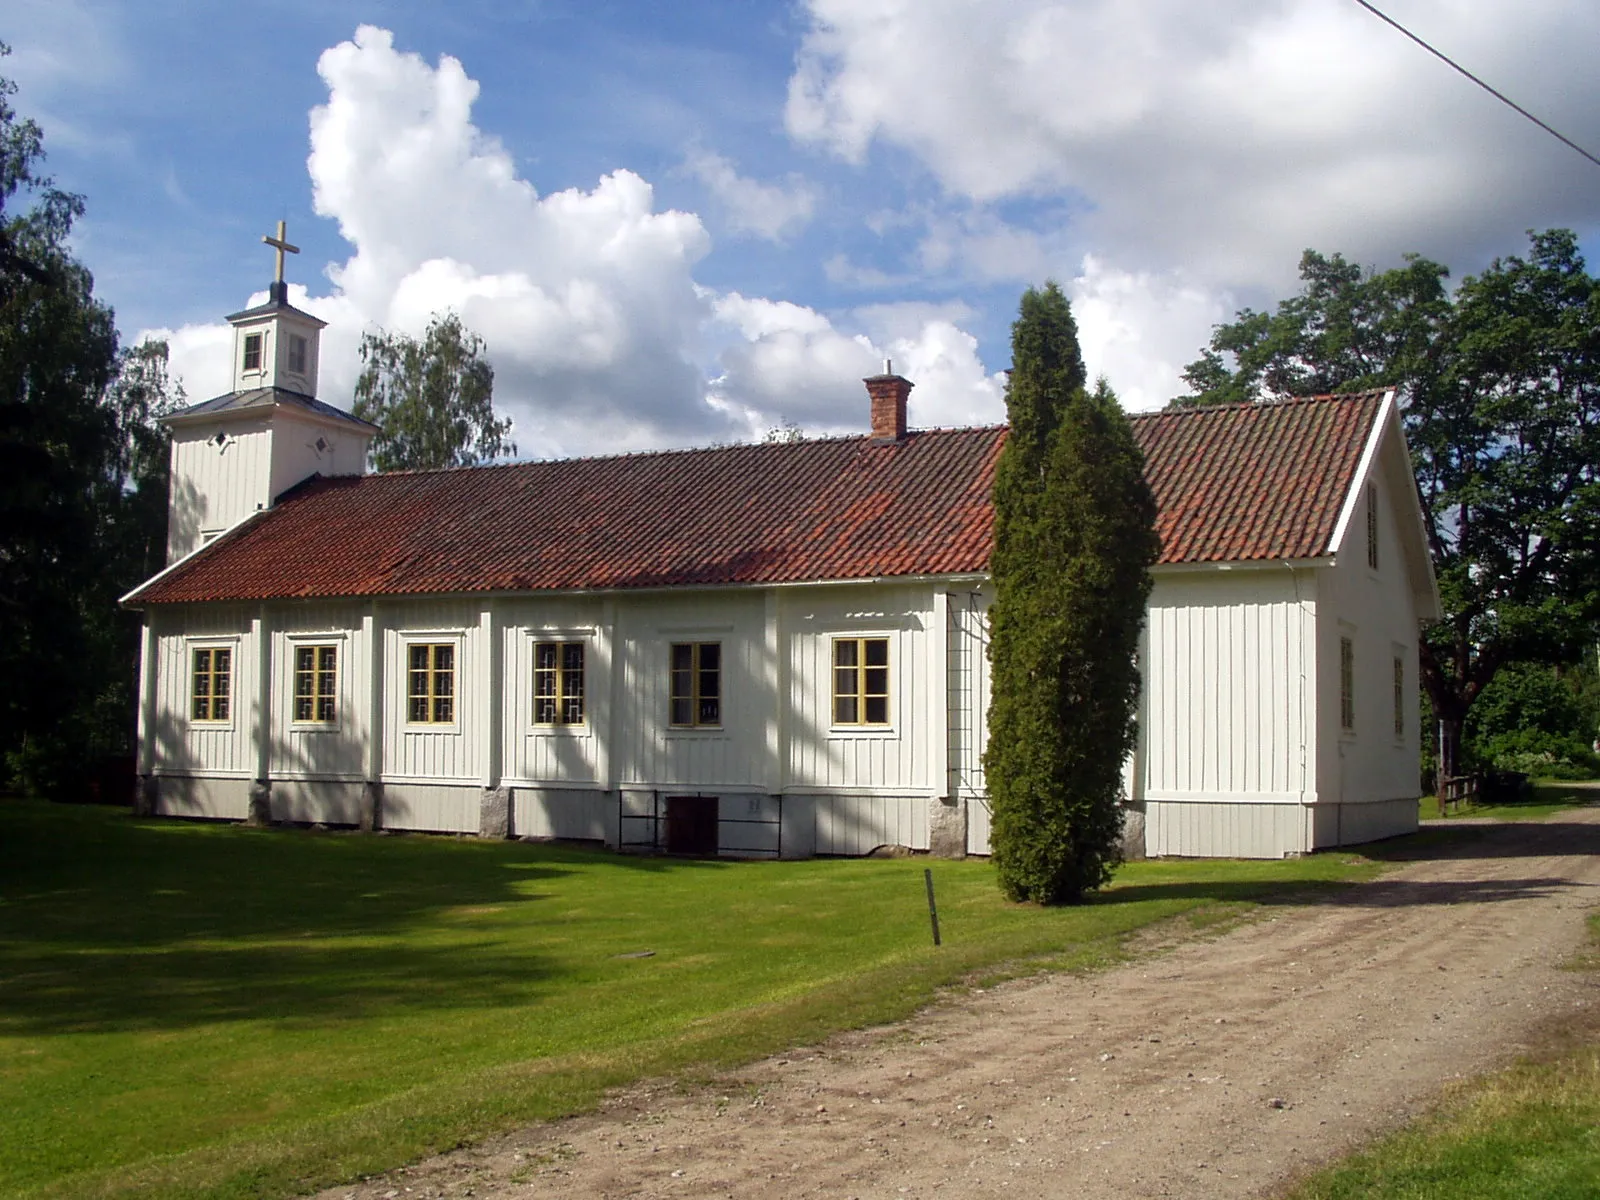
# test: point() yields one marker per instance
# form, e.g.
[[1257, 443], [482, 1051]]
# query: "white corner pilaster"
[[492, 678], [775, 672], [261, 702], [608, 688], [372, 634], [148, 669], [938, 712]]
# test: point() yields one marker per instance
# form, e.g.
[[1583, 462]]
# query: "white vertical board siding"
[[967, 661], [648, 751], [553, 754], [821, 755], [185, 747], [854, 825], [1377, 610], [296, 455], [421, 753], [311, 750], [1201, 829], [318, 801], [584, 815], [1368, 821], [1227, 680], [217, 487], [431, 807], [202, 796]]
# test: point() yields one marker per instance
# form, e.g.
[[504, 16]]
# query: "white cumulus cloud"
[[601, 338], [767, 210], [795, 365], [1222, 138], [1165, 157]]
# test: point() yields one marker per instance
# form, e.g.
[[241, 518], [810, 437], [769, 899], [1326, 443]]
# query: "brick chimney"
[[888, 392]]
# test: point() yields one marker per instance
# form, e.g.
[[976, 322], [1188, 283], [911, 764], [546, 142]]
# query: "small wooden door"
[[691, 824]]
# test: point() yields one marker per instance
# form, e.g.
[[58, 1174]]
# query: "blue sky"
[[687, 222]]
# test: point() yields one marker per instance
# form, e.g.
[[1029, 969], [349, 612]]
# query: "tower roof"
[[258, 400]]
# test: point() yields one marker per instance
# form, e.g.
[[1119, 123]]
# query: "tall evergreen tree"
[[1074, 538]]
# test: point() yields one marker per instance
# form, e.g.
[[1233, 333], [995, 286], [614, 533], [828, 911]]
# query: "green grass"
[[1549, 797], [208, 1010], [1528, 1133]]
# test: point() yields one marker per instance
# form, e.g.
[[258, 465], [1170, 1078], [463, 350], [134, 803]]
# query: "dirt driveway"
[[1216, 1068]]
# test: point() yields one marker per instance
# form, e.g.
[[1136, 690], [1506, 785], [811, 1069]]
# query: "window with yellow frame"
[[431, 683], [860, 681], [696, 685], [316, 684], [558, 683], [211, 684]]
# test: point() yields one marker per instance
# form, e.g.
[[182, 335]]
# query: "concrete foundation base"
[[494, 813], [371, 807], [260, 803], [947, 828], [1132, 831]]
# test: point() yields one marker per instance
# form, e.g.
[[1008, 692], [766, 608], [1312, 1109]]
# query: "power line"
[[1498, 95]]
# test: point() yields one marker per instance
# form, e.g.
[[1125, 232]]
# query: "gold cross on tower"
[[282, 245]]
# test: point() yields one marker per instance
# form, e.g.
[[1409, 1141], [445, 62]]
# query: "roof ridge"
[[1276, 402], [668, 451]]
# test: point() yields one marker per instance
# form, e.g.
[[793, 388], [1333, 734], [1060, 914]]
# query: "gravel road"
[[1219, 1067]]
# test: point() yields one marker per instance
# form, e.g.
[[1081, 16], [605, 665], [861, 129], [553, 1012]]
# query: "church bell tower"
[[234, 455]]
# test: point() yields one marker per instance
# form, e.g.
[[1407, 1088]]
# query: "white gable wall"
[[297, 455], [215, 486], [1368, 775]]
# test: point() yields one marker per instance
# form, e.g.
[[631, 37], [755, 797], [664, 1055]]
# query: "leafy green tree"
[[1074, 537], [82, 485], [1500, 388], [1536, 718], [432, 400]]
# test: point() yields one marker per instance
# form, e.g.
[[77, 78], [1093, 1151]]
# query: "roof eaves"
[[1369, 452], [131, 599]]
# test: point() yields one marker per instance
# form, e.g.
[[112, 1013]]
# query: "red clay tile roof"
[[1234, 483], [1245, 482]]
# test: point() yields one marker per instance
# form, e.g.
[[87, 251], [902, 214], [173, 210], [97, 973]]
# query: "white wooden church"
[[760, 650]]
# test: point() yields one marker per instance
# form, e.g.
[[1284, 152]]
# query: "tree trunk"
[[1449, 749]]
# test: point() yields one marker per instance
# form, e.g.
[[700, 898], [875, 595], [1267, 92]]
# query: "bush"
[[1536, 719]]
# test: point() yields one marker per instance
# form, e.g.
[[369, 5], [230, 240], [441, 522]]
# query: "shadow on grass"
[[1456, 843], [1505, 839], [111, 923], [1376, 893]]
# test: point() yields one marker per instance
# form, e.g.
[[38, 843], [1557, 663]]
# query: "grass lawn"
[[1528, 1133], [209, 1010], [1549, 797]]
